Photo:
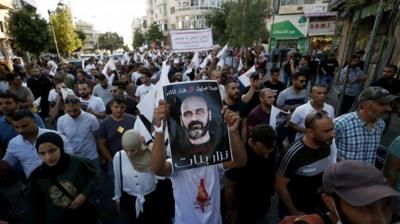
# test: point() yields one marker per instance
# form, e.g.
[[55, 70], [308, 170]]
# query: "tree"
[[246, 22], [67, 39], [138, 38], [110, 41], [216, 19], [154, 34], [240, 22], [81, 35], [29, 31]]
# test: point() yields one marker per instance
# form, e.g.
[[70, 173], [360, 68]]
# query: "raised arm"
[[232, 119], [158, 156]]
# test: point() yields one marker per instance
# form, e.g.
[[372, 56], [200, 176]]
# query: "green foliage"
[[154, 34], [81, 35], [240, 22], [138, 38], [67, 39], [246, 22], [217, 20], [110, 41], [29, 31]]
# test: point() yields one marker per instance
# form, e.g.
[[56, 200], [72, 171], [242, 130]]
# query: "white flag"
[[205, 61], [245, 78], [141, 128], [151, 99], [222, 52]]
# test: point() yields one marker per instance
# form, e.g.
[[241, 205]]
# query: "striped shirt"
[[304, 167], [353, 139]]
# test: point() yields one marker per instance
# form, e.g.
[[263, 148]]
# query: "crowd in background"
[[63, 127]]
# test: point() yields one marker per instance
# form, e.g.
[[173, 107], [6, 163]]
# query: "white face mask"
[[204, 77]]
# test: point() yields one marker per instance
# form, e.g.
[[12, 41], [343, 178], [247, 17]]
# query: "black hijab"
[[62, 164]]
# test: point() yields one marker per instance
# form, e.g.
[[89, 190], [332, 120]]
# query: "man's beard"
[[196, 132]]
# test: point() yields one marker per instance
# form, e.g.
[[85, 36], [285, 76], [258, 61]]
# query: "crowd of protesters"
[[63, 127]]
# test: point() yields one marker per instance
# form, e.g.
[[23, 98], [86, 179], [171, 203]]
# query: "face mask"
[[204, 77]]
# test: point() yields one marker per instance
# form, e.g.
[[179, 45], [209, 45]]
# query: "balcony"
[[6, 4]]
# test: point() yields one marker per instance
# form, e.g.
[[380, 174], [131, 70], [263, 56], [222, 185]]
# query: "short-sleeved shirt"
[[329, 66], [7, 131], [257, 116], [53, 94], [94, 103], [240, 107], [354, 86], [197, 195], [142, 90], [103, 93], [79, 132], [254, 182], [300, 113], [394, 149], [354, 141], [112, 131], [290, 97], [23, 93], [21, 150], [276, 88], [304, 167]]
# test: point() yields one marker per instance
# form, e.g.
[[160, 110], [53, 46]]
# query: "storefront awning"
[[285, 30]]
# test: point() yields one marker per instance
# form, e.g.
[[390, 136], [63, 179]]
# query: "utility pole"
[[54, 36], [371, 43]]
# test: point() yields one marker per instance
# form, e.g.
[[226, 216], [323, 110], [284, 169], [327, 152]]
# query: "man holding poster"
[[196, 191], [197, 133]]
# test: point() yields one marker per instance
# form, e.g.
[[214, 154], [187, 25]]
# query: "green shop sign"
[[285, 30]]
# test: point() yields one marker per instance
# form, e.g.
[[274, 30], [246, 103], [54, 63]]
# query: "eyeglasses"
[[72, 101]]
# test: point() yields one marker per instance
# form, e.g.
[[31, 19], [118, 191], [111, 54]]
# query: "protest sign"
[[197, 133], [278, 117], [191, 40]]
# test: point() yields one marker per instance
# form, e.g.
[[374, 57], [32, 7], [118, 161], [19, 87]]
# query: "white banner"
[[191, 40]]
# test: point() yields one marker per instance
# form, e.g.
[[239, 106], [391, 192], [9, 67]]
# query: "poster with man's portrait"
[[198, 135]]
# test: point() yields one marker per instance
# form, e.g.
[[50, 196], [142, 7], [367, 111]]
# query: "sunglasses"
[[72, 101]]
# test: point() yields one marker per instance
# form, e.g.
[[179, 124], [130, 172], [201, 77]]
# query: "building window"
[[172, 10], [194, 2], [1, 27], [292, 2]]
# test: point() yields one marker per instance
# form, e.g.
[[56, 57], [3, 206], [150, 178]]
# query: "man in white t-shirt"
[[145, 88], [135, 76], [89, 103], [316, 103], [196, 191], [216, 75]]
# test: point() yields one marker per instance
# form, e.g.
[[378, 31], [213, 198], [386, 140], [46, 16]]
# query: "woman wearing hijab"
[[61, 185], [136, 197]]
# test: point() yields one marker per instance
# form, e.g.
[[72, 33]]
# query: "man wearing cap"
[[354, 192], [357, 192], [358, 133]]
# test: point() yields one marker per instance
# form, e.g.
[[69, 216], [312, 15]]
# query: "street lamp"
[[54, 35]]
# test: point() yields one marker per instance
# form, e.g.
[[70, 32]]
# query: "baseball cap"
[[377, 94], [356, 182]]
